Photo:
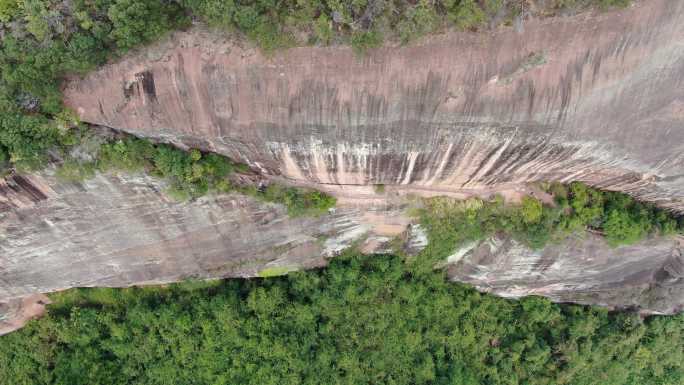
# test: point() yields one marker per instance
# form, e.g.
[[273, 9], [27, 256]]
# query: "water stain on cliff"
[[142, 87], [573, 98]]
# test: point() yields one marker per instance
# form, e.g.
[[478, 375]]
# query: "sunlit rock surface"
[[118, 231], [594, 97], [15, 312]]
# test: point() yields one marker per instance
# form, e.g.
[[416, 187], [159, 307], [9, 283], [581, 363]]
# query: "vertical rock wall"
[[122, 231], [594, 97]]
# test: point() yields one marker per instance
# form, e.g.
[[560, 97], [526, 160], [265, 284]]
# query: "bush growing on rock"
[[298, 201], [620, 218]]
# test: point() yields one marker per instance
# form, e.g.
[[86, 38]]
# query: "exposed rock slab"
[[648, 276], [122, 230], [118, 231], [597, 98], [15, 313]]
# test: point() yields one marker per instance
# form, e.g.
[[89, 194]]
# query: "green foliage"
[[582, 4], [465, 14], [188, 174], [129, 154], [36, 14], [323, 30], [417, 21], [62, 39], [297, 200], [74, 171], [362, 320], [363, 41], [364, 23], [274, 271], [531, 210], [626, 221], [8, 10], [4, 158], [614, 3], [623, 220], [218, 13], [139, 21], [26, 138]]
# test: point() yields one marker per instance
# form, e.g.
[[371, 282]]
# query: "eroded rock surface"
[[597, 98], [118, 231], [16, 312], [647, 276], [122, 230]]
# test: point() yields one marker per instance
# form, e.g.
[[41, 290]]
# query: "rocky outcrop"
[[597, 98], [122, 230], [648, 276], [16, 312], [118, 231]]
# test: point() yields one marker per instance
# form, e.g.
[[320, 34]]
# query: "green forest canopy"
[[362, 320]]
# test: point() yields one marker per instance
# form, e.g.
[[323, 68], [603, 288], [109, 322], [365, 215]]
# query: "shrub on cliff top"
[[139, 21]]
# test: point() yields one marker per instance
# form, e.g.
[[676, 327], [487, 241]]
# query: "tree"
[[621, 227], [531, 210], [139, 21]]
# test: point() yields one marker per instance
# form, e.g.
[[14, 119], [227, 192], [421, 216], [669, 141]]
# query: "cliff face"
[[596, 98], [648, 276], [120, 231]]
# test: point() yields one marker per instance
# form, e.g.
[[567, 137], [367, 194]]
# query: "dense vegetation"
[[618, 217], [43, 40], [188, 174], [362, 320], [366, 23]]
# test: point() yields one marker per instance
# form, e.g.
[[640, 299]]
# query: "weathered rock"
[[14, 313], [122, 231], [597, 98], [647, 276], [118, 231]]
